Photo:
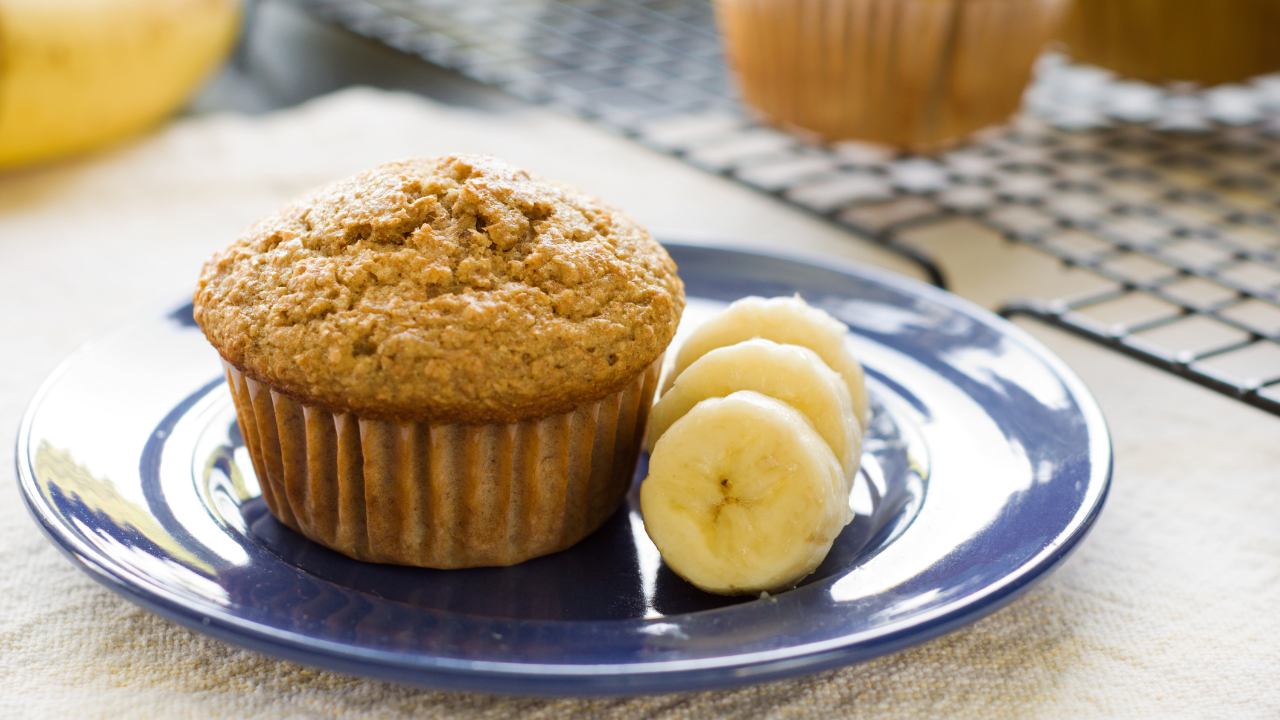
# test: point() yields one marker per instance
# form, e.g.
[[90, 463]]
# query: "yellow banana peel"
[[77, 74]]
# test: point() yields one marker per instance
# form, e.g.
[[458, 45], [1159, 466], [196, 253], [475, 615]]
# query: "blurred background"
[[1133, 140]]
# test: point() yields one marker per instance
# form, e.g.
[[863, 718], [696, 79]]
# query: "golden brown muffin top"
[[454, 289]]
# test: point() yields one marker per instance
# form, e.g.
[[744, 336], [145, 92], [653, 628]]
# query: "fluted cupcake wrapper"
[[442, 495], [1166, 40], [916, 74]]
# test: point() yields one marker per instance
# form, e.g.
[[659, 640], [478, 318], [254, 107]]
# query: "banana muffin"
[[442, 362]]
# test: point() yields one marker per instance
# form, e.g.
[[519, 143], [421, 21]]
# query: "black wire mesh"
[[1170, 197]]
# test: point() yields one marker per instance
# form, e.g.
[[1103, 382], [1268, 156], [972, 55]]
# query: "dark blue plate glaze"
[[986, 461]]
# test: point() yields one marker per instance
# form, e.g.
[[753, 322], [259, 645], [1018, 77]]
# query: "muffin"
[[1209, 43], [915, 74], [442, 362]]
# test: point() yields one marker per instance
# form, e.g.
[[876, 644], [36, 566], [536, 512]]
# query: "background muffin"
[[919, 75], [442, 362], [1176, 40]]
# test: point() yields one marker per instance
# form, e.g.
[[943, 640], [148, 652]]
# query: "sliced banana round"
[[785, 320], [743, 495], [790, 373]]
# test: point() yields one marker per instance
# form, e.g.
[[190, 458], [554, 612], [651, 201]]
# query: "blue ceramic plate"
[[986, 461]]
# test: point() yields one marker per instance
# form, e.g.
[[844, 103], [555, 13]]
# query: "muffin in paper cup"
[[442, 363], [915, 74], [1159, 41]]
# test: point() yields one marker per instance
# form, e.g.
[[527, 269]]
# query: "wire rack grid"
[[1170, 197]]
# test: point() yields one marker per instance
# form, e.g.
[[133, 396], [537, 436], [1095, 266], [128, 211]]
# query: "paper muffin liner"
[[442, 495], [916, 74], [1176, 40]]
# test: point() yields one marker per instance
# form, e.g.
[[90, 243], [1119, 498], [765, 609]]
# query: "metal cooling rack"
[[1169, 197]]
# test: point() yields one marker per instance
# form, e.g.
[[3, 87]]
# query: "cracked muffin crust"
[[456, 289]]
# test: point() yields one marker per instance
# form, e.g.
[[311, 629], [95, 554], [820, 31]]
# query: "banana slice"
[[790, 373], [743, 495], [784, 320]]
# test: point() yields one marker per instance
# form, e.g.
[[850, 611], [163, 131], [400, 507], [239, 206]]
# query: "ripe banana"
[[75, 74], [743, 495], [784, 320], [790, 373]]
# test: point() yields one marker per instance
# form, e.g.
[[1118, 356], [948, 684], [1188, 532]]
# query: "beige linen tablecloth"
[[1168, 609]]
